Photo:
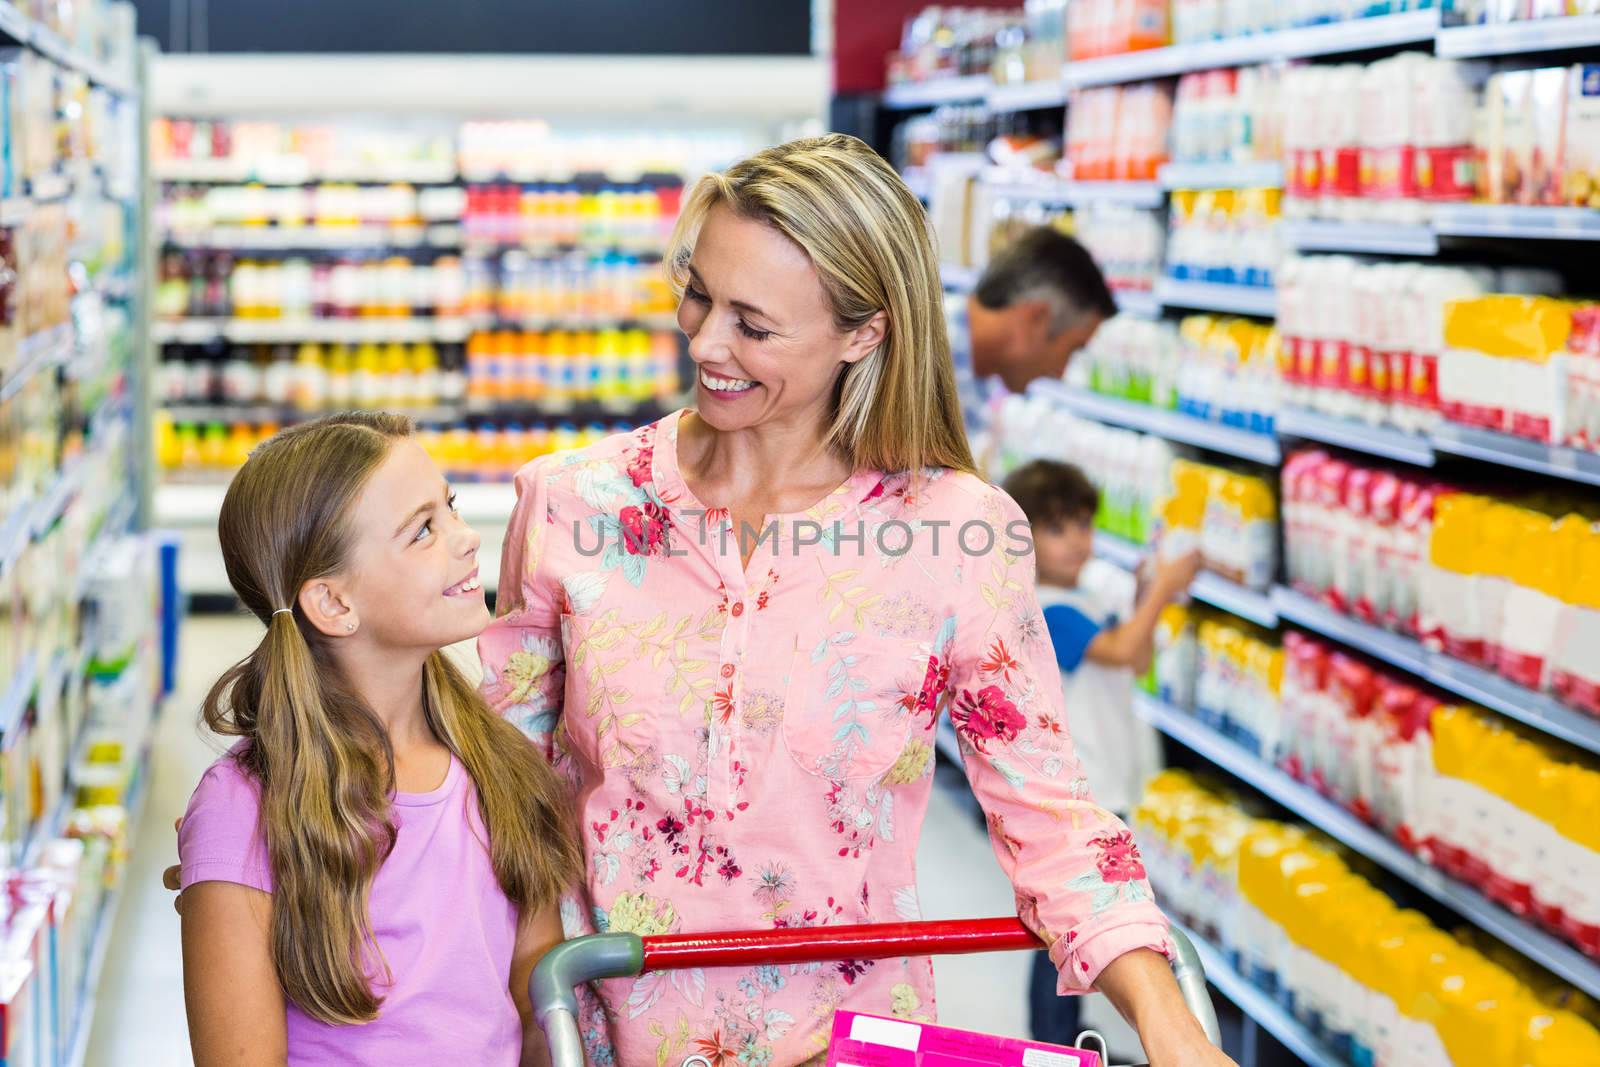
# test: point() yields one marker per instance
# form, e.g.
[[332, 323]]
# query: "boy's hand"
[[1173, 576]]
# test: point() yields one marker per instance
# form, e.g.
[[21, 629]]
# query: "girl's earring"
[[350, 627]]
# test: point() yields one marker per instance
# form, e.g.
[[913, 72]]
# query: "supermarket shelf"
[[1377, 238], [1394, 649], [1515, 38], [77, 1051], [1515, 702], [1209, 296], [1559, 958], [1354, 35], [1267, 1012], [1043, 187], [1515, 221], [1507, 451], [36, 352], [1235, 599], [959, 279], [663, 320], [1118, 550], [14, 698], [974, 88], [309, 238], [16, 529], [295, 170], [1259, 448], [1465, 680], [1028, 96], [1141, 304], [256, 414], [1208, 588], [18, 27], [349, 331], [53, 504], [1257, 175], [1383, 441]]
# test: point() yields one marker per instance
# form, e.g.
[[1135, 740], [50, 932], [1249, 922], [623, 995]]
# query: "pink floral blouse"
[[753, 747]]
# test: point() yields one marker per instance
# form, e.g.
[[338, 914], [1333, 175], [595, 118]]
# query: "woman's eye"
[[691, 293], [753, 333]]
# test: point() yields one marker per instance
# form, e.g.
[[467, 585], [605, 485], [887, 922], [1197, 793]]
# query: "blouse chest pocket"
[[850, 703], [602, 719]]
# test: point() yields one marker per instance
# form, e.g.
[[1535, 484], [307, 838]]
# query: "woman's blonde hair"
[[868, 238], [319, 753]]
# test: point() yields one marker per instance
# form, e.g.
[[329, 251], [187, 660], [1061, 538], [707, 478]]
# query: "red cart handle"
[[820, 944]]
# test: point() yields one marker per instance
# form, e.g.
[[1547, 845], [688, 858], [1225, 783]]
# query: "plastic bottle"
[[311, 378], [368, 389]]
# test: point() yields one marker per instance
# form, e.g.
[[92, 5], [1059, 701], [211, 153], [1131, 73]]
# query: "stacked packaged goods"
[[1225, 236], [1118, 134], [1377, 983]]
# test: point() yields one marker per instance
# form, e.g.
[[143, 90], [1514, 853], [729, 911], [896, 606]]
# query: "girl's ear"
[[326, 607], [865, 339]]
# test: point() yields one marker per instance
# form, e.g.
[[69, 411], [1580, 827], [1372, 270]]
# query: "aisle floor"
[[140, 1017]]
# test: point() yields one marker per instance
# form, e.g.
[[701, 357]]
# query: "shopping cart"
[[621, 955]]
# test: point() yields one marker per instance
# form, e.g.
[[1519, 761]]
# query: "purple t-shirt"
[[445, 927]]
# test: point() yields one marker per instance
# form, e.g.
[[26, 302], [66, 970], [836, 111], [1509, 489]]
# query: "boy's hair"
[[1048, 490], [320, 754]]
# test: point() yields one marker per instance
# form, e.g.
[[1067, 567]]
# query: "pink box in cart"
[[874, 1041]]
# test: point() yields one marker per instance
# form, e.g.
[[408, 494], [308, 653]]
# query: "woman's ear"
[[327, 608], [865, 339]]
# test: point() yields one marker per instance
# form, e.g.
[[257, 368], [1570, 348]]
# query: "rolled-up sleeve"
[[1078, 876], [523, 662]]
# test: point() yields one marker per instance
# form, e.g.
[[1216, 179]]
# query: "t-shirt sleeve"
[[219, 840], [1070, 632]]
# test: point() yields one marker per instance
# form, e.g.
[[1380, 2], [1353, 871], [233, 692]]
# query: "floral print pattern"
[[752, 747]]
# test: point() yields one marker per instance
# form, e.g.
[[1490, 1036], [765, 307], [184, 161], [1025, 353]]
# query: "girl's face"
[[412, 580], [760, 332]]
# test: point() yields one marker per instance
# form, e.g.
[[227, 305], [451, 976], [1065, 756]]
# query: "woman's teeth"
[[725, 385]]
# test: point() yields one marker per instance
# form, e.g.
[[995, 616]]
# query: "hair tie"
[[280, 611]]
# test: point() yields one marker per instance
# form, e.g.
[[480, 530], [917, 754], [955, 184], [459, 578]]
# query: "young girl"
[[372, 871]]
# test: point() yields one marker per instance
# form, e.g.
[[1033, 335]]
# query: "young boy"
[[1099, 656]]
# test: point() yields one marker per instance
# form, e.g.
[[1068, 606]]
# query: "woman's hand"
[[1141, 987]]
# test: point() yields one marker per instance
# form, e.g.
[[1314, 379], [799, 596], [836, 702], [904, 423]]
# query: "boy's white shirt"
[[1117, 750]]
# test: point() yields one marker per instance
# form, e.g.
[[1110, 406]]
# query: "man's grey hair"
[[1045, 264]]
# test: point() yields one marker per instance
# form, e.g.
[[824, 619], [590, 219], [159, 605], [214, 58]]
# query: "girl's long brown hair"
[[319, 753]]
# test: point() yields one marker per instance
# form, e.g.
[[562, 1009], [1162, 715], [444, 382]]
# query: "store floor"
[[140, 1020]]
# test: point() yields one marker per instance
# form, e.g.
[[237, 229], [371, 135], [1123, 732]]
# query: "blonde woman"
[[737, 628]]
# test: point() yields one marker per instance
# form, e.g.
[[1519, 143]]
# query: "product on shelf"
[[1364, 341], [480, 452], [1357, 538], [191, 210], [1225, 236], [1231, 517], [313, 377], [948, 42], [572, 215], [1118, 133], [561, 366], [1522, 365], [1377, 984], [1378, 142], [1539, 137], [1111, 27], [1132, 470], [296, 152], [1212, 368], [1045, 40], [1228, 116], [1238, 675], [1126, 243]]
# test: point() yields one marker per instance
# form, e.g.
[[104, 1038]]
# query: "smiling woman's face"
[[761, 335]]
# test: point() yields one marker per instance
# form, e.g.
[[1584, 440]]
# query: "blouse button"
[[738, 609], [727, 670]]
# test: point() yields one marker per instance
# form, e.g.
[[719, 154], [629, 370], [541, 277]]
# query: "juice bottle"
[[1575, 671], [341, 377], [240, 441], [558, 367], [367, 386], [1447, 591], [424, 362], [398, 387], [505, 363], [480, 367], [608, 376], [214, 446], [311, 378]]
